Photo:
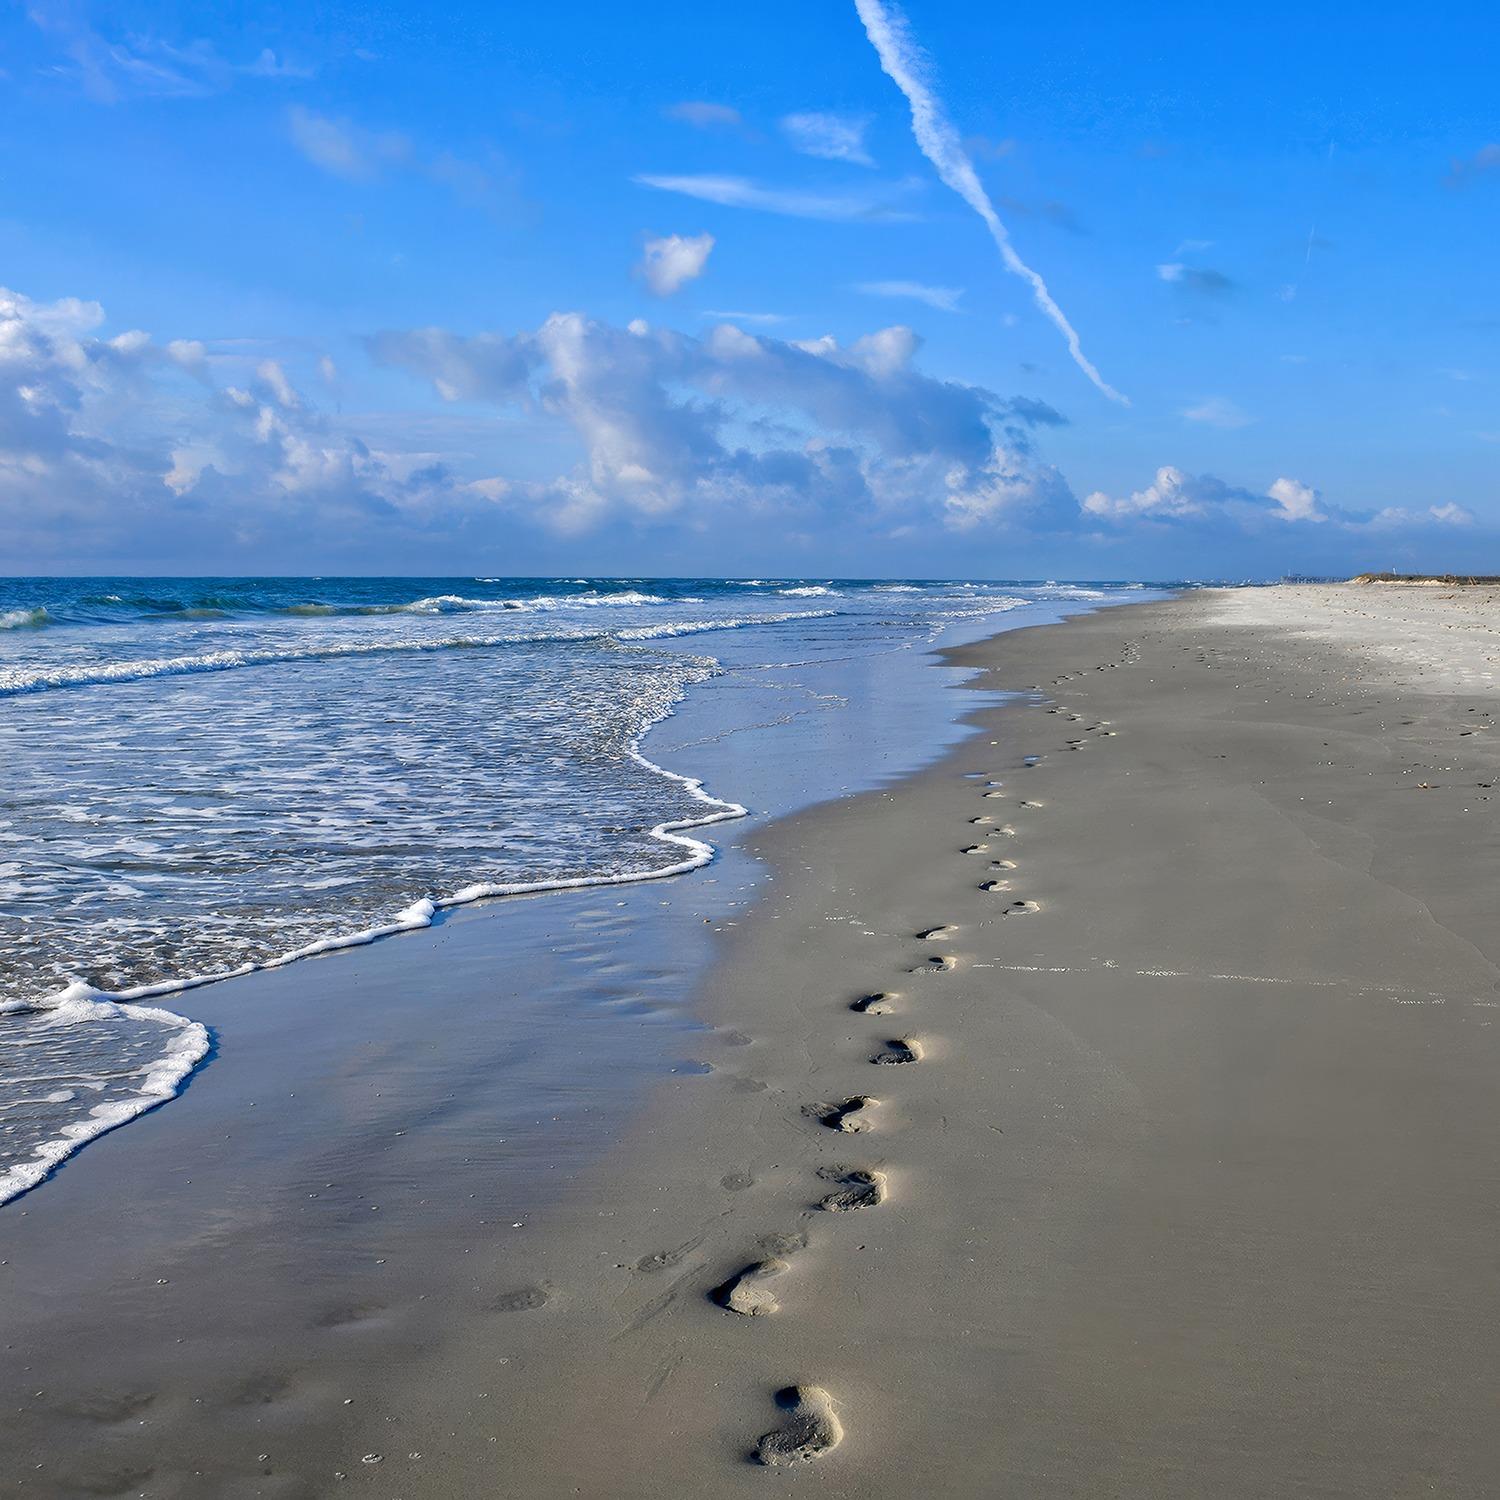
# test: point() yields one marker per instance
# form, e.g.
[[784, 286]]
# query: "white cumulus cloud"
[[1296, 501], [672, 261], [733, 421], [1175, 495]]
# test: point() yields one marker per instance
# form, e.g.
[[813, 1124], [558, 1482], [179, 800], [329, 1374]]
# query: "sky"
[[956, 289]]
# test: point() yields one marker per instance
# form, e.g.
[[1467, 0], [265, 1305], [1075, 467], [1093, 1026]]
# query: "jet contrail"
[[901, 58]]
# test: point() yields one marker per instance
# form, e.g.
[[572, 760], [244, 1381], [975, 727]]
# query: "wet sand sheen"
[[1146, 1201]]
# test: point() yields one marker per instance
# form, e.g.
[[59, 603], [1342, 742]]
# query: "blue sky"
[[673, 288]]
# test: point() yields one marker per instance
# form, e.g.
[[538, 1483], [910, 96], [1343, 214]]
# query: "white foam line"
[[160, 1080], [165, 1079]]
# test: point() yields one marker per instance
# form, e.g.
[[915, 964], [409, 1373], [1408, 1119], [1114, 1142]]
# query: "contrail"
[[901, 58]]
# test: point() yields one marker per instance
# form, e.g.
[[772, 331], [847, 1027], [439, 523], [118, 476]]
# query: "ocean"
[[207, 776]]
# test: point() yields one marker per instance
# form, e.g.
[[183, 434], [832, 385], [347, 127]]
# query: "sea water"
[[203, 777]]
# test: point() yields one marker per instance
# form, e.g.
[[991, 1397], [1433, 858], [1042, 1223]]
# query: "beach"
[[1106, 1107]]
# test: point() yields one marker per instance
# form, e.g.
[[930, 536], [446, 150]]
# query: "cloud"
[[1296, 501], [348, 150], [766, 318], [669, 263], [120, 452], [832, 137], [1396, 516], [902, 61], [150, 67], [944, 298], [702, 115], [1175, 497], [740, 192], [345, 149], [1218, 411], [1202, 279], [124, 448], [1172, 493], [694, 428], [1463, 171]]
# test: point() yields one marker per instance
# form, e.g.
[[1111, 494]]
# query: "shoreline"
[[80, 1000], [1159, 1181]]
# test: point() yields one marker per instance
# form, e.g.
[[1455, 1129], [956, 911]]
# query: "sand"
[[1162, 1165]]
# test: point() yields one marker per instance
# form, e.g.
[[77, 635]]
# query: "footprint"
[[997, 794], [982, 820], [975, 849], [1021, 909], [744, 1293], [856, 1189], [995, 886], [1006, 831], [908, 1051], [812, 1428], [1002, 864], [933, 934], [935, 963], [736, 1182], [880, 1003], [1025, 803], [849, 1116], [523, 1300]]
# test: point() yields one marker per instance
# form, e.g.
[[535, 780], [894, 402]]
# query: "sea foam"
[[144, 1060]]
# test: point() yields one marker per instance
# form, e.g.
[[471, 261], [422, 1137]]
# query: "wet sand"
[[1164, 1165]]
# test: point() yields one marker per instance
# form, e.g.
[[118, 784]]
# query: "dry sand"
[[1163, 1166]]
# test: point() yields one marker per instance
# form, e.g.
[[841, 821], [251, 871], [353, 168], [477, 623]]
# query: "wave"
[[806, 591], [186, 1044], [24, 619], [15, 681], [102, 608], [188, 1041], [424, 912], [447, 604]]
